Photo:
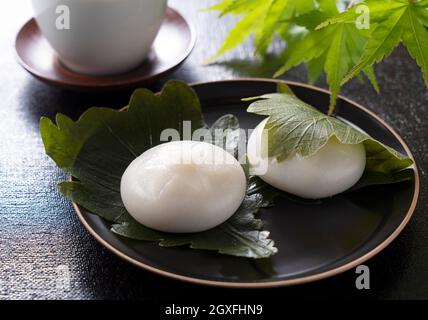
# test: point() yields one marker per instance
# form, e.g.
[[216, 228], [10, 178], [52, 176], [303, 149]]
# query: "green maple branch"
[[329, 42]]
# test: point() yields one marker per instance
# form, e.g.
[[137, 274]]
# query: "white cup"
[[100, 37]]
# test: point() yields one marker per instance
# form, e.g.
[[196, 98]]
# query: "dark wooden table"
[[40, 235]]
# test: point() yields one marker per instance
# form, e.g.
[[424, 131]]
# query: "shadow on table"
[[257, 68]]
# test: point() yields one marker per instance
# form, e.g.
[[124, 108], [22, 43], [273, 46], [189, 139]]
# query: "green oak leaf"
[[97, 148], [296, 127], [372, 178], [239, 236], [100, 145]]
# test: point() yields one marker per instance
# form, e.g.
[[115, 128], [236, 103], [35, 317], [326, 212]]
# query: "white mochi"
[[183, 187], [335, 168]]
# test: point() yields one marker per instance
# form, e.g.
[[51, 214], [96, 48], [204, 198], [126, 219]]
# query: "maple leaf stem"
[[331, 110]]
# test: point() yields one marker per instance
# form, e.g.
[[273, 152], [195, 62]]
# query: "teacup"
[[100, 37]]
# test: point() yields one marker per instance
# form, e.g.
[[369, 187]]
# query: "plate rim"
[[124, 84], [288, 282]]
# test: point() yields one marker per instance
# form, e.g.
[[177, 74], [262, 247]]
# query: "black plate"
[[314, 241]]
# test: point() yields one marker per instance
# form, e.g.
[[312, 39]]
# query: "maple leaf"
[[394, 22], [335, 49], [327, 37], [263, 19]]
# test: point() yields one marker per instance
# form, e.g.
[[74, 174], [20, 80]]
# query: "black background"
[[39, 230]]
